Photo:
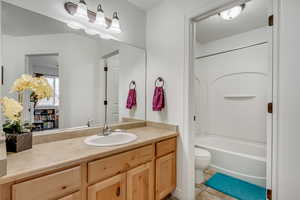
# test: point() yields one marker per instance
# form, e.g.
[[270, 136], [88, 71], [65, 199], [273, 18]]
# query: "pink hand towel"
[[158, 102], [131, 99]]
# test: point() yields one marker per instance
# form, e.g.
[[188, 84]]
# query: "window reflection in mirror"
[[44, 114], [73, 64]]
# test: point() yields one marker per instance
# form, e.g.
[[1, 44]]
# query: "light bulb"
[[232, 12], [115, 24], [75, 25], [82, 11], [100, 17]]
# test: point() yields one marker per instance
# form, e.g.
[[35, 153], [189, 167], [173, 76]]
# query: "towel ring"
[[132, 85], [158, 81]]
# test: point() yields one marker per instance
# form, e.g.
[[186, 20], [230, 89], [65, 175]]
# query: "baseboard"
[[178, 193]]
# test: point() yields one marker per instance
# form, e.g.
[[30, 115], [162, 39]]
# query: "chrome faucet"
[[106, 130]]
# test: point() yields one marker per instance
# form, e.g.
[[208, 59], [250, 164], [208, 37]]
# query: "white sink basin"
[[116, 138]]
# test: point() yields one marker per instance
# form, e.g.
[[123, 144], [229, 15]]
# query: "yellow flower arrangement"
[[11, 109], [41, 88], [22, 83], [38, 85]]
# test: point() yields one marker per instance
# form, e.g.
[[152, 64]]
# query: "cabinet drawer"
[[74, 196], [48, 187], [165, 147], [113, 165]]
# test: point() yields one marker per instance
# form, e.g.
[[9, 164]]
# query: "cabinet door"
[[75, 196], [110, 189], [140, 182], [165, 175]]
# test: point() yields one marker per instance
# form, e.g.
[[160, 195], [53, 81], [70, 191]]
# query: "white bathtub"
[[243, 160]]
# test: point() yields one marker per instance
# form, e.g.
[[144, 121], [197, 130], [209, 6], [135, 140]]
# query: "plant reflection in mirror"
[[12, 109]]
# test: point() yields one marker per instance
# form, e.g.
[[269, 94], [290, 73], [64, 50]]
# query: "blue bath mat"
[[236, 188]]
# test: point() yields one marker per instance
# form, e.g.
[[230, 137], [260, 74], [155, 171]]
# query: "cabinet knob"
[[118, 192]]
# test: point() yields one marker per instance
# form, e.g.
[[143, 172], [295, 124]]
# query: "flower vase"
[[17, 139], [17, 142]]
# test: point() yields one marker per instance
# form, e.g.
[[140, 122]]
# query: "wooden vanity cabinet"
[[136, 184], [74, 196], [143, 173], [165, 168], [51, 186], [165, 175], [140, 182], [155, 179], [102, 169], [111, 189]]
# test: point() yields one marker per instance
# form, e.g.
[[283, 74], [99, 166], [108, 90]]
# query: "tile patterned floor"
[[205, 193]]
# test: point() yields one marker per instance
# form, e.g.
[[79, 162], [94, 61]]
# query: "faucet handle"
[[106, 130], [89, 122]]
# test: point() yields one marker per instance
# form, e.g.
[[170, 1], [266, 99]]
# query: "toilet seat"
[[202, 153], [202, 161]]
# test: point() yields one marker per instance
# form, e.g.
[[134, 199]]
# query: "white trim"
[[178, 193], [263, 159], [188, 171], [237, 173], [188, 136], [276, 47]]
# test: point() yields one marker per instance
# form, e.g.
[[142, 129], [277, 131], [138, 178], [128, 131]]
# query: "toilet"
[[202, 161]]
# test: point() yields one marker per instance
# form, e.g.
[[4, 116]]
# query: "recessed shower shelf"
[[239, 96]]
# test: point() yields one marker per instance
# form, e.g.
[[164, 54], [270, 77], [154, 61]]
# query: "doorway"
[[44, 115], [230, 86]]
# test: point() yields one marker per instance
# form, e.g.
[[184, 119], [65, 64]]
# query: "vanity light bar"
[[71, 8]]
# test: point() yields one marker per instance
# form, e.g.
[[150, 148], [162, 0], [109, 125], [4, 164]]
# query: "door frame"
[[201, 12], [27, 70]]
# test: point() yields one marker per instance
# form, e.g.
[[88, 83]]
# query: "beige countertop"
[[54, 155]]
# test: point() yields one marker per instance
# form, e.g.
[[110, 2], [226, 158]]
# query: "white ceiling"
[[255, 15], [145, 4]]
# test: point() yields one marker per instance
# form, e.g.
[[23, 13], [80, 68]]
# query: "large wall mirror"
[[73, 63]]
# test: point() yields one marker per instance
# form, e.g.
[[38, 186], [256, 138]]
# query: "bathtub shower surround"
[[246, 161], [231, 97]]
